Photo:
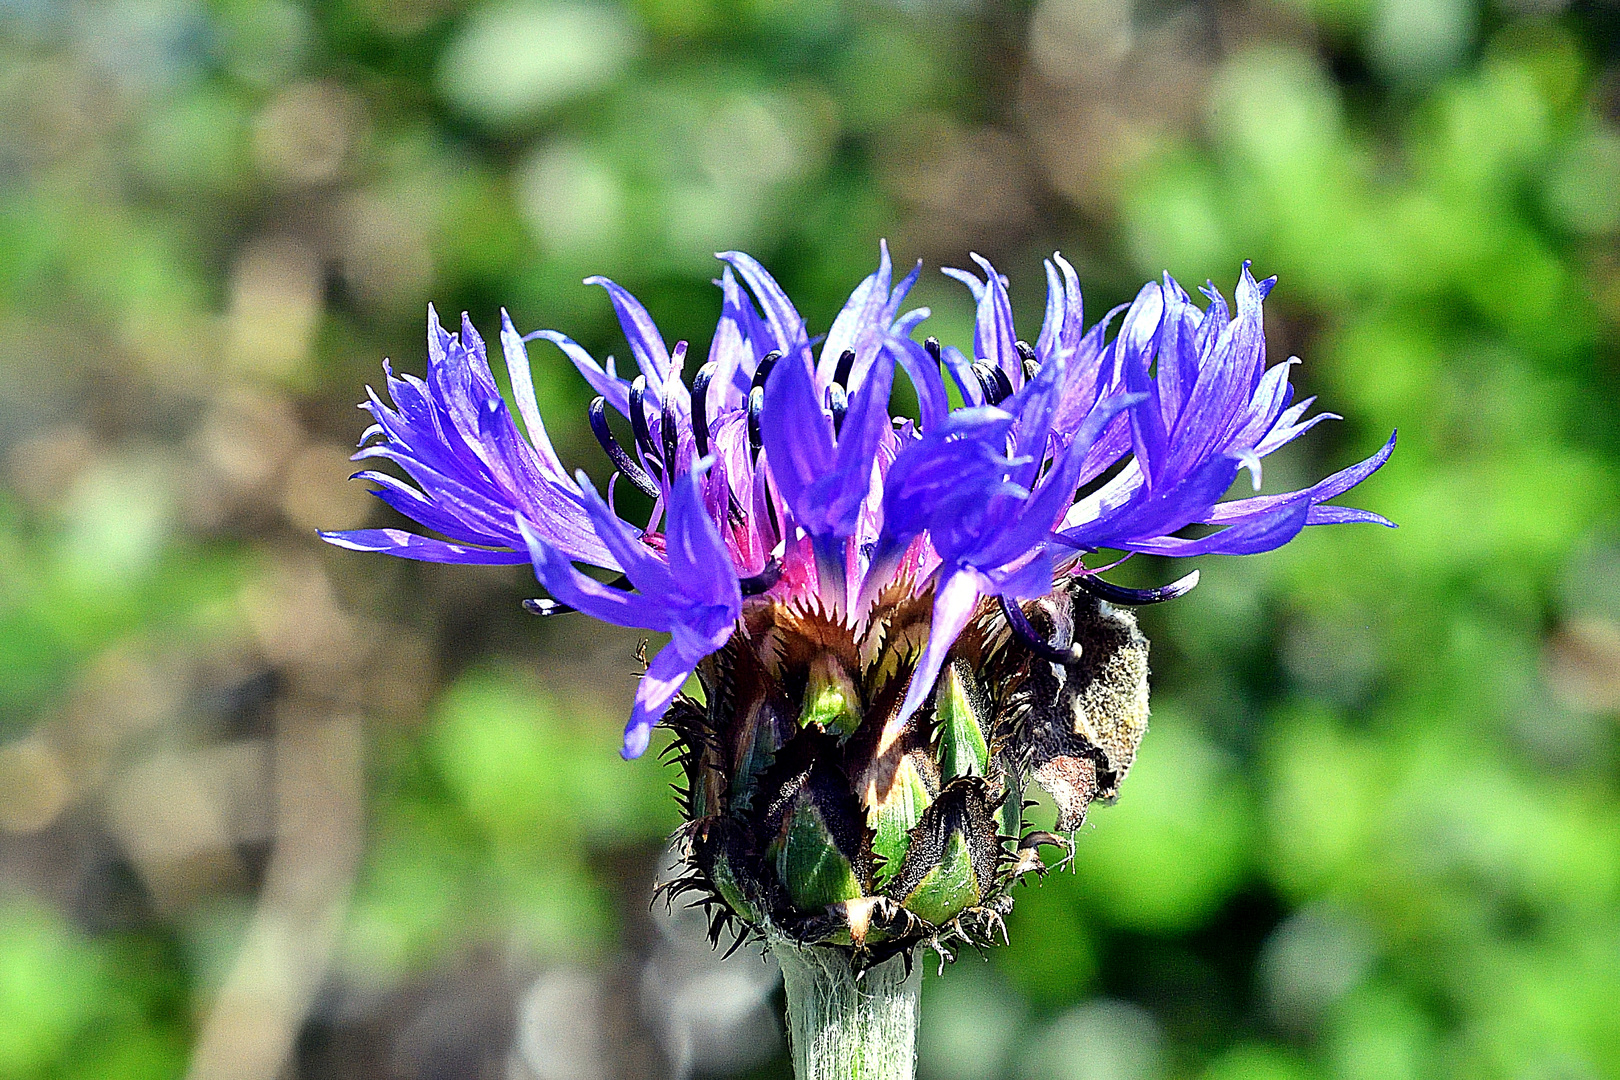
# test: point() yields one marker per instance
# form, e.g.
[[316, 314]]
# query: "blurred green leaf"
[[51, 988], [1166, 857], [513, 61]]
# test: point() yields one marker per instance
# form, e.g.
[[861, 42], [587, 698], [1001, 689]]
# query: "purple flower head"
[[780, 482]]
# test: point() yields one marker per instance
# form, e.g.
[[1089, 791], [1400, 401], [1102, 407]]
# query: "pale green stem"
[[844, 1028]]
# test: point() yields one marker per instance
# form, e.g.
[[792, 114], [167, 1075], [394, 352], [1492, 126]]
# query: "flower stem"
[[844, 1028]]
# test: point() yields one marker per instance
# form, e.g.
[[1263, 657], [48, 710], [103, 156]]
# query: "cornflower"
[[890, 617]]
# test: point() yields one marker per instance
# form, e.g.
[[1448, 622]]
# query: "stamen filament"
[[1119, 594], [1046, 650], [756, 405], [700, 407], [763, 371], [616, 453], [638, 422]]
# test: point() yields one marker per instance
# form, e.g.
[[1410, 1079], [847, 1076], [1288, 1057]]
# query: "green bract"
[[821, 814]]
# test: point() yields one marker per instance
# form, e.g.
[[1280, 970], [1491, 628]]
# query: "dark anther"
[[931, 346], [1003, 387], [1032, 368], [1023, 631], [610, 446], [638, 420], [761, 582], [846, 364], [700, 407], [669, 431], [1026, 352], [763, 371], [993, 381], [1118, 594], [838, 403], [756, 405], [987, 386]]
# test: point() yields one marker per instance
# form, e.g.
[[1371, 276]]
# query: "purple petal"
[[1214, 321], [1034, 405], [1073, 307], [975, 286], [438, 339], [453, 521], [1226, 382], [1249, 538], [994, 339], [484, 507], [1345, 515], [1286, 430], [677, 401], [729, 349], [1330, 488], [556, 572], [611, 387], [406, 545], [860, 324], [965, 452], [1266, 405], [905, 324], [865, 424], [1046, 345], [1150, 514], [1046, 504], [522, 379], [646, 344], [699, 561], [932, 402], [646, 571], [1134, 349], [1177, 371], [898, 296], [961, 369], [784, 319], [796, 434], [955, 597], [663, 680], [1085, 381], [1345, 479], [830, 504]]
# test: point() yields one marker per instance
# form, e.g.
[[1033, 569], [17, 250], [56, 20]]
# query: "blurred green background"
[[271, 810]]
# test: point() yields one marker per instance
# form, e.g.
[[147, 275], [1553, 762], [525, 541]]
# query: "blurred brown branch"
[[250, 1030]]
